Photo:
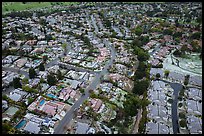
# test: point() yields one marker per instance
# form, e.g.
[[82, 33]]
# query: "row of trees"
[[51, 78]]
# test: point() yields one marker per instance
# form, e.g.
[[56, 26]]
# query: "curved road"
[[60, 129], [177, 87]]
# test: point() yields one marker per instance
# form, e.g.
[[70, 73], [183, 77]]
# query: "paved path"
[[136, 126]]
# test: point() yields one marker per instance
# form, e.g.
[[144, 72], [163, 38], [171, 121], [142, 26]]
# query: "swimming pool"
[[20, 124], [42, 102], [52, 96]]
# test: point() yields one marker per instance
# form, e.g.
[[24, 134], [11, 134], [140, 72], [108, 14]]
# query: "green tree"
[[64, 46], [4, 97], [6, 127], [185, 82], [27, 88], [166, 73], [25, 81], [140, 86], [158, 75], [42, 80], [143, 56], [132, 105], [196, 35], [45, 58], [32, 73], [144, 39], [59, 75], [30, 100], [17, 83], [177, 34], [182, 123], [137, 42], [82, 91], [167, 32], [138, 30], [41, 67], [51, 80], [196, 47]]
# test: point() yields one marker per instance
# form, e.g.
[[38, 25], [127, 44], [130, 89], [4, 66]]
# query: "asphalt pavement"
[[60, 129]]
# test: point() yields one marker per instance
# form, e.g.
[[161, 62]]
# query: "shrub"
[[182, 123], [182, 115]]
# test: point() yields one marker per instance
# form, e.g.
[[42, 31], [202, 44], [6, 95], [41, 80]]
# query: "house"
[[9, 59], [10, 112], [81, 128], [64, 94], [53, 69], [155, 62], [43, 74], [31, 42], [4, 105], [48, 122], [32, 127], [17, 94], [75, 84], [8, 79], [34, 82], [38, 51], [96, 104], [20, 62], [53, 107]]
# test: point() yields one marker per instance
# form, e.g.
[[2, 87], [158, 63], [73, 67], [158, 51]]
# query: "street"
[[60, 129]]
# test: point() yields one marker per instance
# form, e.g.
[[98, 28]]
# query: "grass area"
[[19, 6]]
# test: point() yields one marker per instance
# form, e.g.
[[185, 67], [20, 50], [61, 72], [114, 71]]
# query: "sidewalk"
[[136, 125]]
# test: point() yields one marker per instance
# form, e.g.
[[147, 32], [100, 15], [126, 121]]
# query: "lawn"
[[19, 6]]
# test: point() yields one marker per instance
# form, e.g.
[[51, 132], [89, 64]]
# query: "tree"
[[82, 91], [4, 97], [59, 75], [6, 127], [177, 34], [137, 42], [167, 32], [64, 46], [158, 75], [30, 100], [42, 80], [42, 22], [138, 31], [140, 86], [45, 58], [143, 56], [166, 73], [41, 67], [32, 73], [145, 102], [17, 83], [25, 81], [48, 37], [196, 47], [93, 95], [196, 35], [185, 82], [182, 123], [51, 80], [132, 105]]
